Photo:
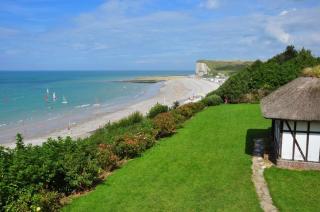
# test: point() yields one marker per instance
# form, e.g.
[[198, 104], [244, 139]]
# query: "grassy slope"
[[294, 190], [203, 167], [225, 67]]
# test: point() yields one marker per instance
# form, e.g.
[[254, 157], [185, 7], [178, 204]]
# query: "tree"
[[19, 142]]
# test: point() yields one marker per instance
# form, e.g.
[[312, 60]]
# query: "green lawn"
[[203, 167], [294, 190]]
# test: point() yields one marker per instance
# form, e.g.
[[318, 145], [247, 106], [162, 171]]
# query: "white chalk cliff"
[[202, 69]]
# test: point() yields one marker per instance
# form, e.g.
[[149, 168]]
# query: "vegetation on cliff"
[[312, 71], [224, 67], [260, 78]]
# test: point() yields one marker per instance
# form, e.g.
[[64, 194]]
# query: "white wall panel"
[[302, 141], [314, 147], [287, 142]]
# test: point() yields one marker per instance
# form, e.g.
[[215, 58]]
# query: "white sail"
[[64, 100], [54, 96], [47, 92]]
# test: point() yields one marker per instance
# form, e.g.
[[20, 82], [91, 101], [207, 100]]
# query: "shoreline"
[[172, 89], [153, 79]]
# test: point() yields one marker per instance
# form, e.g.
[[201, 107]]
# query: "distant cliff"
[[214, 67], [202, 69]]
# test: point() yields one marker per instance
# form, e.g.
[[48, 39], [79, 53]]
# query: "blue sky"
[[150, 34]]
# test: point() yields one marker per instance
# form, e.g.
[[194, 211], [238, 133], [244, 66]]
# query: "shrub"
[[157, 109], [19, 142], [254, 97], [178, 118], [187, 110], [132, 119], [129, 146], [165, 124], [106, 158], [30, 200], [196, 107], [312, 72], [80, 169], [184, 111], [47, 201], [175, 105], [212, 100]]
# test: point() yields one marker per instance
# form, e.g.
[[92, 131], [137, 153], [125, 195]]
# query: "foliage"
[[188, 110], [26, 200], [19, 142], [212, 100], [254, 96], [312, 72], [264, 77], [184, 111], [107, 159], [165, 124], [175, 105], [157, 109], [224, 67], [129, 146], [132, 119]]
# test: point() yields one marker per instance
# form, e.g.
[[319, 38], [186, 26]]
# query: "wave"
[[2, 125], [53, 118], [82, 106]]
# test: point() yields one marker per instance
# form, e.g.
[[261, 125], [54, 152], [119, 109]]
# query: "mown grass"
[[203, 167], [294, 190]]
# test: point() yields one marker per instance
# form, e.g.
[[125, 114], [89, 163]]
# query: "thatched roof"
[[297, 100]]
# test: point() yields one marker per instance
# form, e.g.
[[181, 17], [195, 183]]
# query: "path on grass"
[[258, 166]]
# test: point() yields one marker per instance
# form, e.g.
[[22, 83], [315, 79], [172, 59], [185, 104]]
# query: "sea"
[[36, 103]]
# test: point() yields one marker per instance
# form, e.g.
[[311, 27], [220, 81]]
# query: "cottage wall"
[[307, 135]]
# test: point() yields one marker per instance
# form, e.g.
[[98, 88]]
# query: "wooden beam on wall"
[[295, 142]]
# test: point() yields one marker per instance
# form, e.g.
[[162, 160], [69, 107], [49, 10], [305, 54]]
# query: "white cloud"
[[276, 30], [284, 12], [210, 4], [297, 27]]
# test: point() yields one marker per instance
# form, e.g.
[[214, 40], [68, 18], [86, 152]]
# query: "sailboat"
[[54, 98], [47, 92], [64, 100]]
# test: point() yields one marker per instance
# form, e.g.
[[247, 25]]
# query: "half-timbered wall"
[[297, 140]]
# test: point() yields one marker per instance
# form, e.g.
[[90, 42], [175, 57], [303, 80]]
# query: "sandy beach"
[[173, 89]]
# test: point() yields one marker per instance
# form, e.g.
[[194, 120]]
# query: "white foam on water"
[[82, 106], [2, 125], [53, 118]]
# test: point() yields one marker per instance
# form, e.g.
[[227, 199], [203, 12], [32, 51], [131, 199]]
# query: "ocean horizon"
[[40, 102]]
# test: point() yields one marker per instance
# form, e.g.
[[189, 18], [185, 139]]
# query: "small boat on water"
[[64, 100], [54, 98]]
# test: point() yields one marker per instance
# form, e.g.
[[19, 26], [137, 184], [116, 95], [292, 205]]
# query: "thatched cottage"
[[295, 112]]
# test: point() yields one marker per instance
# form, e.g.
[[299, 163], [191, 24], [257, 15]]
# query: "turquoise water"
[[24, 98]]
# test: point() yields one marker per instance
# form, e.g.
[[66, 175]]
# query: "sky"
[[150, 34]]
